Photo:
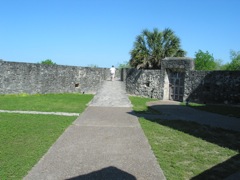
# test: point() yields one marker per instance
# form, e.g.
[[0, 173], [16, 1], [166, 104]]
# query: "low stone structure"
[[32, 78], [145, 83], [176, 80], [213, 87], [166, 83]]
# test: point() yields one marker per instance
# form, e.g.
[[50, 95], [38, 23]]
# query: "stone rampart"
[[39, 78], [213, 87], [197, 86], [175, 75]]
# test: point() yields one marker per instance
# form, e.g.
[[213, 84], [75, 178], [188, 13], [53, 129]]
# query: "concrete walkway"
[[171, 110], [105, 142]]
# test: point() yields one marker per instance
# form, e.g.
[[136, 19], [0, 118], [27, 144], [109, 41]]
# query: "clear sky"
[[102, 32]]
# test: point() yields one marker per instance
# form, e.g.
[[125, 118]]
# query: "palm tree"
[[151, 47]]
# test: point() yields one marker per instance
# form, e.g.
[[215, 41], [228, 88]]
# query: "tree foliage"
[[48, 62], [124, 65], [151, 47], [219, 64], [205, 61], [234, 65]]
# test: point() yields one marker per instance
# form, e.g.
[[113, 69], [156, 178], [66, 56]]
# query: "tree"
[[124, 65], [235, 61], [151, 47], [48, 62], [219, 64], [204, 61]]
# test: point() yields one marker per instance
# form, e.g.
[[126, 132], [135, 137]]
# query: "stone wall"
[[198, 86], [172, 65], [144, 83], [177, 64], [39, 78], [155, 83], [214, 87]]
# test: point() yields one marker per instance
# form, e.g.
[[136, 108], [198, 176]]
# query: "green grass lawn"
[[140, 105], [25, 138], [187, 150], [74, 103]]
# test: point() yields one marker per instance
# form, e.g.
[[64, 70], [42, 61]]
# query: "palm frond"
[[151, 47]]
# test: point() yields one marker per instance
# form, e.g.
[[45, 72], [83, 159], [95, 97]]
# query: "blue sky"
[[102, 32]]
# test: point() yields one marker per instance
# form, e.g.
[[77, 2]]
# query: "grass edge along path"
[[25, 138], [188, 150]]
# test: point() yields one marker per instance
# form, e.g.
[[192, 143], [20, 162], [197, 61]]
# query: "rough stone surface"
[[177, 64], [144, 83], [33, 78], [199, 86], [150, 83], [213, 86]]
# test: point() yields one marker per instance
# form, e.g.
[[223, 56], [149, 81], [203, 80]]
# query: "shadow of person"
[[107, 173]]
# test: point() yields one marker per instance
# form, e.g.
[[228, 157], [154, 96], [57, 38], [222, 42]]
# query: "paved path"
[[105, 142], [111, 94], [173, 111]]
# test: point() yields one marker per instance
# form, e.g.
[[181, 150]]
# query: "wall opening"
[[176, 85], [147, 84], [166, 86]]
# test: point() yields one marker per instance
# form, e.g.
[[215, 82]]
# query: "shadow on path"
[[106, 173]]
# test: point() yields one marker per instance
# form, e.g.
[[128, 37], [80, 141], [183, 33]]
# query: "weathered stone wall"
[[155, 83], [214, 87], [144, 83], [177, 64], [39, 78], [199, 86]]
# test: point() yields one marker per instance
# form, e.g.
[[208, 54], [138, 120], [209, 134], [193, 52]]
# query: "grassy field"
[[187, 150], [26, 138], [74, 103], [140, 105]]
